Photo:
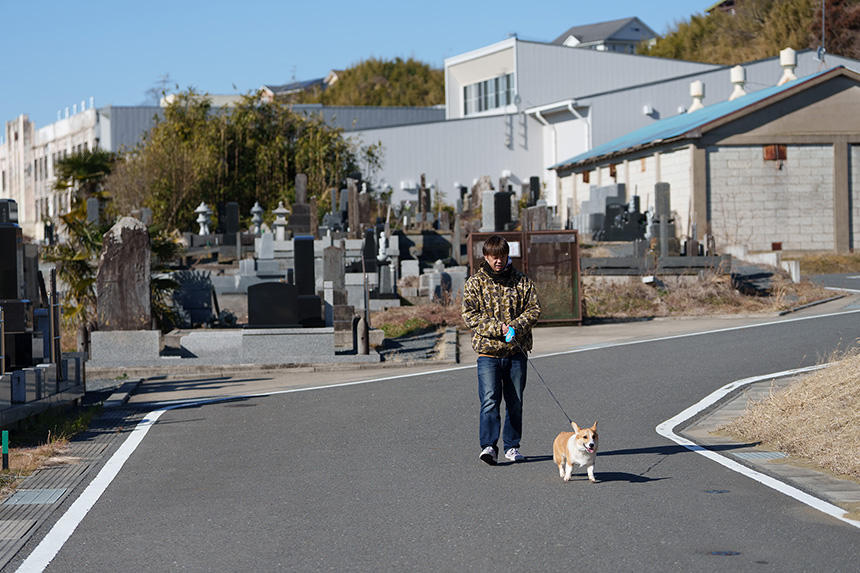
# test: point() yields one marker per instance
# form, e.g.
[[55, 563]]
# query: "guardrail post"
[[56, 353]]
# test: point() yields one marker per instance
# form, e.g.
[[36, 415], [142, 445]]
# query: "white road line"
[[65, 526], [48, 548], [840, 289], [666, 428]]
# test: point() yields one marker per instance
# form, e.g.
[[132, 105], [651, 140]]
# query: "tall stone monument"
[[122, 282], [300, 218]]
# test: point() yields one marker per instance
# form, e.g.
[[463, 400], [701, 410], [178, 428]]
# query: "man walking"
[[500, 305]]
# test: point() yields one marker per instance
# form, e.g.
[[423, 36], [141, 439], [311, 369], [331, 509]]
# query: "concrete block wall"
[[756, 202], [676, 169], [640, 175], [854, 183]]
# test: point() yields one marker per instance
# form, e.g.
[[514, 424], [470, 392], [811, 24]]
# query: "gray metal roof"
[[294, 86], [600, 31]]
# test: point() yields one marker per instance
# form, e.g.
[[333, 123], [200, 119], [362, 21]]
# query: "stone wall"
[[756, 202]]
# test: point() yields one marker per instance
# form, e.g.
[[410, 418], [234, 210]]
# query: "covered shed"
[[777, 166]]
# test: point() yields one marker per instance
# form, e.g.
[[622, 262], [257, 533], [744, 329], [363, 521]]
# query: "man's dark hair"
[[496, 246]]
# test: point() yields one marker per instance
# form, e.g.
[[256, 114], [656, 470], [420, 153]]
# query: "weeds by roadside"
[[712, 294], [816, 419], [826, 263], [42, 441]]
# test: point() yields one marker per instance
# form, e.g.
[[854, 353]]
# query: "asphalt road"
[[385, 476], [849, 281]]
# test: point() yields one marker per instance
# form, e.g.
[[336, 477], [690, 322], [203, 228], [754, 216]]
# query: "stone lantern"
[[280, 223], [257, 218], [203, 218]]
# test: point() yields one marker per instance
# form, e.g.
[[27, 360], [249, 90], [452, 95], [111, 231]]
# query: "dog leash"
[[542, 381]]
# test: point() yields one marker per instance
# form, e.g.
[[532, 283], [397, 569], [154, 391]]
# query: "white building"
[[518, 107], [28, 156]]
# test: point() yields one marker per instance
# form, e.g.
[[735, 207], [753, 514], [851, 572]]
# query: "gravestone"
[[410, 268], [11, 259], [231, 218], [122, 281], [501, 210], [266, 244], [488, 212], [343, 204], [352, 208], [457, 240], [309, 309], [301, 215], [333, 267], [385, 280], [192, 299], [534, 190], [369, 250], [230, 222], [303, 249], [273, 305], [94, 207], [364, 215], [334, 219]]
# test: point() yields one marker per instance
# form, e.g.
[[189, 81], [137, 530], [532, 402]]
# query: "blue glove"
[[510, 334]]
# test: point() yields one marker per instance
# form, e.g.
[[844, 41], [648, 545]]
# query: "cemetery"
[[293, 286], [34, 373]]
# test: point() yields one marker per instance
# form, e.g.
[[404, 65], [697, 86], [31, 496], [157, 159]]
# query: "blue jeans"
[[498, 378]]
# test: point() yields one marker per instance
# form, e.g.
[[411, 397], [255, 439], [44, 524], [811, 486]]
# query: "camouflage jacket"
[[491, 302]]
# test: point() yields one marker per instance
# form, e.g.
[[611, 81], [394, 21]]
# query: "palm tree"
[[76, 258]]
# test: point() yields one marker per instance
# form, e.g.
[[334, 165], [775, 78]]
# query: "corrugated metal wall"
[[458, 150]]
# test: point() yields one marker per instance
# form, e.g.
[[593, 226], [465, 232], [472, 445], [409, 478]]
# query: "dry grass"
[[404, 320], [713, 294], [42, 441], [25, 460], [816, 419], [826, 263]]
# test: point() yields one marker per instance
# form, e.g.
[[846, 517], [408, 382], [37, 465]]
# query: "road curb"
[[695, 428], [121, 395]]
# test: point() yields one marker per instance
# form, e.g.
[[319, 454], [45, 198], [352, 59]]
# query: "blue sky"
[[59, 53]]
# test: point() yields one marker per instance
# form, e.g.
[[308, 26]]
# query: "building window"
[[613, 171], [585, 177], [775, 152], [489, 94]]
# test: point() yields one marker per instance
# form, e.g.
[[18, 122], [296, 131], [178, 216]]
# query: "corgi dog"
[[576, 447]]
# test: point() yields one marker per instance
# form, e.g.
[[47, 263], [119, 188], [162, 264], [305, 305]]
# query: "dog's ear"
[[594, 427], [574, 426]]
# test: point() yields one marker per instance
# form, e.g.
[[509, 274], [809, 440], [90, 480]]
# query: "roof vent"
[[788, 61], [697, 92], [739, 78]]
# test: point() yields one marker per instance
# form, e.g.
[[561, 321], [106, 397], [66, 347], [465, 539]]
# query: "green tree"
[[382, 82], [76, 256], [249, 153]]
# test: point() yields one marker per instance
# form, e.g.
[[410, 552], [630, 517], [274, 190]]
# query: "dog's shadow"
[[600, 476]]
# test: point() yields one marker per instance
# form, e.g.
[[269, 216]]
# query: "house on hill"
[[621, 35], [774, 168]]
